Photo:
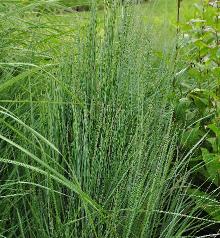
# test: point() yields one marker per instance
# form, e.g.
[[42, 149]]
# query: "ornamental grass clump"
[[88, 147]]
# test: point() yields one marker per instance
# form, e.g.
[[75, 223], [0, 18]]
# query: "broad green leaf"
[[212, 163], [191, 137], [213, 142], [206, 202], [215, 129]]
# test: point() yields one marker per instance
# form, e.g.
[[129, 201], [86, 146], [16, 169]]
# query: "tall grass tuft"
[[87, 142]]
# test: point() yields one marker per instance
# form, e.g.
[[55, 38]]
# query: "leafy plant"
[[199, 108]]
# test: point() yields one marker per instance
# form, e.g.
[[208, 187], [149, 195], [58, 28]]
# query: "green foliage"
[[207, 202], [199, 109], [88, 146], [88, 139]]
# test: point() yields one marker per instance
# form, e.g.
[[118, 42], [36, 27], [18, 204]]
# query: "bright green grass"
[[88, 147]]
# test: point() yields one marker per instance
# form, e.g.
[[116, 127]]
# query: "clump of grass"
[[88, 145]]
